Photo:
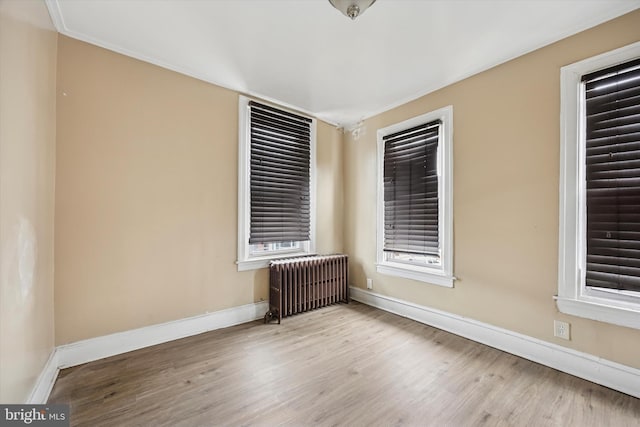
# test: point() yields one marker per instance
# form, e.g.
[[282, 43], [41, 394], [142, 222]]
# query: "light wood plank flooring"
[[346, 365]]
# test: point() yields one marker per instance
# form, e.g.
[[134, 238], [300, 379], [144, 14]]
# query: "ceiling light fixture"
[[352, 8]]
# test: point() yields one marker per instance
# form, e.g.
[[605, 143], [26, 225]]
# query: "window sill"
[[263, 262], [433, 277], [601, 312]]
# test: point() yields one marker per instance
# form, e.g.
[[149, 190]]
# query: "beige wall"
[[146, 196], [27, 176], [506, 169]]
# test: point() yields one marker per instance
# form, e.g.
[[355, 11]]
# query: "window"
[[415, 190], [276, 188], [599, 251]]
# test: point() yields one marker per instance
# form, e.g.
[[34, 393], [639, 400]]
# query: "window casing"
[[415, 198], [599, 245], [270, 224]]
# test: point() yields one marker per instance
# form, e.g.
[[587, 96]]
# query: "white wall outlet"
[[562, 329], [369, 283]]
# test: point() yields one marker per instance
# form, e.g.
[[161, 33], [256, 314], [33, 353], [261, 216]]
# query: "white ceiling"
[[306, 54]]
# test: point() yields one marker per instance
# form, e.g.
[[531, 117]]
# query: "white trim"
[[56, 15], [92, 349], [77, 353], [408, 272], [244, 260], [592, 368], [602, 312], [243, 182], [310, 248], [474, 69], [57, 18], [572, 297], [47, 378], [253, 264], [58, 21], [282, 104], [443, 275]]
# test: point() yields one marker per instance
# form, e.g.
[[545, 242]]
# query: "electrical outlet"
[[369, 283], [562, 329]]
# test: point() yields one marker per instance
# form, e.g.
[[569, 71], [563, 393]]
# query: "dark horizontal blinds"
[[411, 190], [613, 177], [280, 160]]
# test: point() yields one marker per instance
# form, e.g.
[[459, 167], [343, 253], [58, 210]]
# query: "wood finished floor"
[[346, 365]]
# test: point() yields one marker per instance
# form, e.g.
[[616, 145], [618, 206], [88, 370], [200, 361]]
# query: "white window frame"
[[246, 259], [611, 306], [441, 275]]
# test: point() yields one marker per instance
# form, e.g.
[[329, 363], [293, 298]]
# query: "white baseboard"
[[80, 352], [601, 371], [92, 349], [595, 369], [45, 381]]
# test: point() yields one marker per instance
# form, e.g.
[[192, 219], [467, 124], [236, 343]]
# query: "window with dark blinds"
[[279, 175], [410, 182], [612, 98]]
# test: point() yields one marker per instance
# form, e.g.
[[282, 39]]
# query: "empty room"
[[320, 212]]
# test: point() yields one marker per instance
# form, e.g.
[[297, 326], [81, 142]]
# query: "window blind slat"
[[614, 131], [267, 109], [607, 101], [618, 147], [270, 123]]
